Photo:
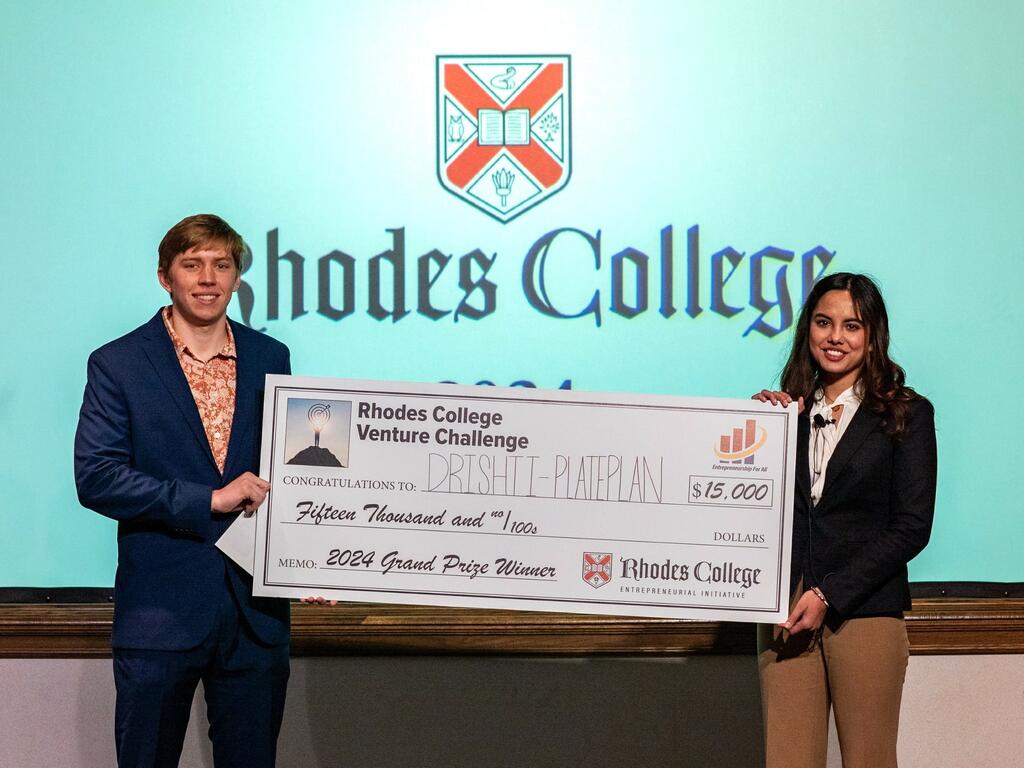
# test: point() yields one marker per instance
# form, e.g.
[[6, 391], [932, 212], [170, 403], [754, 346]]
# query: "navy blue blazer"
[[874, 515], [143, 459]]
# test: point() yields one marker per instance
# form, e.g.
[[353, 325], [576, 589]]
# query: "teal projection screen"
[[653, 231]]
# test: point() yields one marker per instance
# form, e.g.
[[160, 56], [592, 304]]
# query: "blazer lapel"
[[803, 465], [864, 423], [161, 354], [247, 375]]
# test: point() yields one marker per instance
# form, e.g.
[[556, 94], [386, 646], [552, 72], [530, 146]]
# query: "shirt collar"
[[850, 396], [180, 347]]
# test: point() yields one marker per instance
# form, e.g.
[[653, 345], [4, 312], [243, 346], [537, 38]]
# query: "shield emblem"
[[597, 568], [503, 130]]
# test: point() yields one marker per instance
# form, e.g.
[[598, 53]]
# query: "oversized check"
[[528, 499]]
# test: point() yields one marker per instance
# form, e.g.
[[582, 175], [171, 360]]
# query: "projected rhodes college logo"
[[739, 444], [503, 130], [597, 568]]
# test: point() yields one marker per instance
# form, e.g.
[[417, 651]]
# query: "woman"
[[863, 505]]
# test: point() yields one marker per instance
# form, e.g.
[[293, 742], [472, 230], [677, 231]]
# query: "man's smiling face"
[[201, 281]]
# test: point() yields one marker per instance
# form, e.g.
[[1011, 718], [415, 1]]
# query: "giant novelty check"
[[528, 499]]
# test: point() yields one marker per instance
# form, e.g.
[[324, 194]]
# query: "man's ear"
[[163, 280]]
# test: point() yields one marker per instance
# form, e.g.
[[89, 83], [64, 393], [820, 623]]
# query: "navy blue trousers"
[[244, 682]]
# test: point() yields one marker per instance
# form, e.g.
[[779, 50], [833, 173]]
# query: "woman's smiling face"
[[838, 339]]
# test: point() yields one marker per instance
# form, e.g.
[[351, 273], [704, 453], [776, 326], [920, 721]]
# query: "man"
[[168, 445]]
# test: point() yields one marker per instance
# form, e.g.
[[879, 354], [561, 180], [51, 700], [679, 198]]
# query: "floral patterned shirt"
[[213, 388]]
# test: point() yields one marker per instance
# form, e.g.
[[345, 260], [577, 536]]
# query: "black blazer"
[[874, 515]]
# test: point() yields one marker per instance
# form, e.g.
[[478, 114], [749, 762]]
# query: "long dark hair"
[[881, 379]]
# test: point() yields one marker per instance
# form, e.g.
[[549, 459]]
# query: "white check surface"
[[526, 499]]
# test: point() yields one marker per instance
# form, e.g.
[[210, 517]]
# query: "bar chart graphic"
[[741, 443]]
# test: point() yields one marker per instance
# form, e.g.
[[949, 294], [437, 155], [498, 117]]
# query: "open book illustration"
[[496, 128]]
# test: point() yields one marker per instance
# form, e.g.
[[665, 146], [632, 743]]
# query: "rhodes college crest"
[[597, 568], [503, 130]]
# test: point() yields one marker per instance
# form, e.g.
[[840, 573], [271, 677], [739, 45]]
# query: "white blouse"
[[823, 440]]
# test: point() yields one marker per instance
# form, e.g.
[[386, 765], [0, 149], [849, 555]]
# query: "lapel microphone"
[[820, 421]]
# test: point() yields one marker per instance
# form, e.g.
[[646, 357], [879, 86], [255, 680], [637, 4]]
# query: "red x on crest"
[[463, 88]]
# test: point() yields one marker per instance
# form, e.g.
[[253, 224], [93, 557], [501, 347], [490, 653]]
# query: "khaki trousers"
[[858, 671]]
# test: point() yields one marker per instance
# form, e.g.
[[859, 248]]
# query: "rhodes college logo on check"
[[597, 568], [503, 130]]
